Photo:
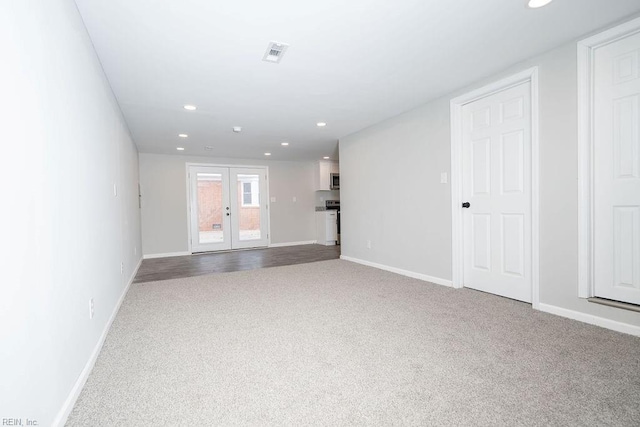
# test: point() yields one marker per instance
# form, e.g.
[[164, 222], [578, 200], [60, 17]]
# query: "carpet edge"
[[69, 403]]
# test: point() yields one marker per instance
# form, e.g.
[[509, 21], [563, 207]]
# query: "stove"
[[332, 205]]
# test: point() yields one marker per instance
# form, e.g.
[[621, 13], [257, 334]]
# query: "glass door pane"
[[210, 210], [248, 209], [248, 201]]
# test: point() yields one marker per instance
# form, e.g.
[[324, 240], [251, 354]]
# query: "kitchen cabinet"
[[327, 227], [324, 169]]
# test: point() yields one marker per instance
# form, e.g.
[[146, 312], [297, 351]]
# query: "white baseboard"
[[66, 409], [280, 245], [167, 255], [400, 271], [625, 328]]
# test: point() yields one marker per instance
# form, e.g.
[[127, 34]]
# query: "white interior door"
[[249, 208], [617, 170], [497, 185], [210, 208], [228, 208]]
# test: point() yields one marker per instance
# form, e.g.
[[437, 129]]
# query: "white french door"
[[249, 213], [210, 208], [228, 208], [496, 185], [616, 166]]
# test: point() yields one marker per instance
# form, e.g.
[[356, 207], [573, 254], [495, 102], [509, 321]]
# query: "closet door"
[[497, 189], [616, 167]]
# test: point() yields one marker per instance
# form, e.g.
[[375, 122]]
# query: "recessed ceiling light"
[[534, 4], [183, 135], [180, 148], [190, 107], [321, 124], [326, 157], [237, 129], [208, 147], [267, 154], [284, 144]]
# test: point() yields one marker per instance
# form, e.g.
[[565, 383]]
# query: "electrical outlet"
[[135, 250], [295, 199], [368, 244], [115, 190], [122, 268], [444, 178], [91, 308]]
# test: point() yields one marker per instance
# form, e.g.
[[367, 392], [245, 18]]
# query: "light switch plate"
[[273, 200]]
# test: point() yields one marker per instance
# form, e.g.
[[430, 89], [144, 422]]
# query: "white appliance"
[[327, 227]]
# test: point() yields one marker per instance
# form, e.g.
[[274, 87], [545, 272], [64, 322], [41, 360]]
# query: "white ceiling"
[[350, 63]]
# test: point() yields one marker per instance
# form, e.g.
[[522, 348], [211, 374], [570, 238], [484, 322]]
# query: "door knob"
[[228, 214], [466, 205]]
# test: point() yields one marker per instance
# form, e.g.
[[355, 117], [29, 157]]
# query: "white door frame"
[[217, 165], [586, 202], [457, 225]]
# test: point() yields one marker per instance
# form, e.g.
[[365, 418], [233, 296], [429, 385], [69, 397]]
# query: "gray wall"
[[322, 196], [64, 233], [411, 229], [164, 200], [390, 192]]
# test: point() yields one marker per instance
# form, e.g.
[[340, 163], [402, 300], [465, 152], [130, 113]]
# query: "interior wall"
[[410, 227], [403, 158], [164, 200], [64, 233], [322, 196]]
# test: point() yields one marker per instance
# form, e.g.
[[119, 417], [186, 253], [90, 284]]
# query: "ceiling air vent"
[[275, 52]]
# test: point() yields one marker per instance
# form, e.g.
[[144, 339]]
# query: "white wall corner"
[[457, 248]]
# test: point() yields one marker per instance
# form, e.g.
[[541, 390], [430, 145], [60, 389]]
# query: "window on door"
[[250, 187]]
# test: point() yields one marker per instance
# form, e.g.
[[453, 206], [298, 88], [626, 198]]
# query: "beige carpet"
[[336, 343]]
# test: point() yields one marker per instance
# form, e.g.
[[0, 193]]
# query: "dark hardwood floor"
[[223, 262]]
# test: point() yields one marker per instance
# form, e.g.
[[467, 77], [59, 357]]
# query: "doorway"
[[609, 106], [228, 208], [494, 188]]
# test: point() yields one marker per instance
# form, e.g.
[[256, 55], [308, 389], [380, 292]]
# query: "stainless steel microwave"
[[335, 181]]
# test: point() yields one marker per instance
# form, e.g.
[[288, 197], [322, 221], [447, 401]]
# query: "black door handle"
[[466, 205], [228, 214]]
